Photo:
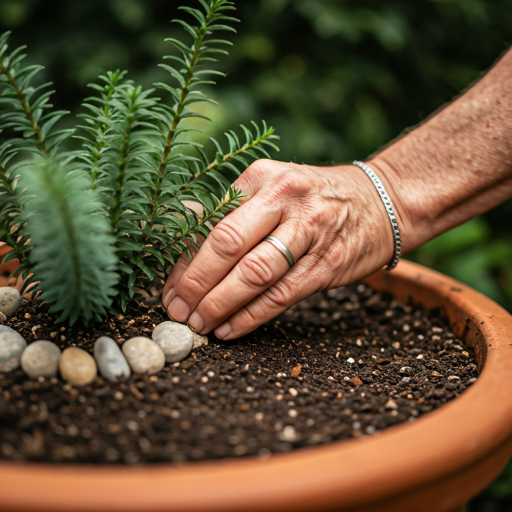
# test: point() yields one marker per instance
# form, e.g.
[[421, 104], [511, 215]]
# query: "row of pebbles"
[[170, 342]]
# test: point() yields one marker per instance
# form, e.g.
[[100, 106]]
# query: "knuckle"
[[318, 216], [211, 310], [291, 184], [226, 239], [257, 167], [279, 295], [190, 286], [252, 174], [256, 271]]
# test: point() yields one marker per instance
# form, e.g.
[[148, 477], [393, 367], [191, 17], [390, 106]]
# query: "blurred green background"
[[337, 79]]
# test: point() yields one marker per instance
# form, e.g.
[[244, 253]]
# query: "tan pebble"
[[41, 359], [391, 404], [143, 355], [77, 367], [199, 340]]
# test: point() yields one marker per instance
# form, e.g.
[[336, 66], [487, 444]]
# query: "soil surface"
[[344, 363]]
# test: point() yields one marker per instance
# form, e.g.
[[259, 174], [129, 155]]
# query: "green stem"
[[99, 142], [179, 110], [225, 159], [26, 107], [125, 149]]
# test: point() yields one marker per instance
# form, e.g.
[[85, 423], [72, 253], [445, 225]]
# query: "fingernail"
[[195, 322], [223, 331], [165, 299], [178, 309]]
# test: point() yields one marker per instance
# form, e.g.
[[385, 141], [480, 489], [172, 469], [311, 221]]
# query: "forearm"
[[456, 165]]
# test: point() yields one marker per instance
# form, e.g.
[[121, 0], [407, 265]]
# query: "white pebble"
[[176, 340], [143, 355], [289, 434], [10, 301], [12, 345], [350, 360], [111, 362], [41, 359], [77, 366]]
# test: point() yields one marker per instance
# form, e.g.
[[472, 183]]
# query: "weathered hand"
[[330, 218]]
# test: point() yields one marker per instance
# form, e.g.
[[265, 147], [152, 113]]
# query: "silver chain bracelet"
[[391, 213]]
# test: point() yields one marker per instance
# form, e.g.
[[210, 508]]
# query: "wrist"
[[406, 203], [373, 224]]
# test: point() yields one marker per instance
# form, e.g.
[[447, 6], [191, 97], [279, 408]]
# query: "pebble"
[[391, 404], [198, 340], [3, 318], [10, 301], [12, 346], [111, 362], [41, 359], [144, 355], [176, 340], [77, 366]]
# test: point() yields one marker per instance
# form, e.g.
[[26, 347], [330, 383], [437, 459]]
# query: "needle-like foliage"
[[92, 228]]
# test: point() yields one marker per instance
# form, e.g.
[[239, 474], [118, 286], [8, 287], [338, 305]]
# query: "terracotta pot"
[[435, 464], [6, 269]]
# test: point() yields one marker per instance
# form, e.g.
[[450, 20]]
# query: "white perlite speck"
[[111, 362], [143, 355], [10, 301], [12, 346], [176, 340], [41, 359]]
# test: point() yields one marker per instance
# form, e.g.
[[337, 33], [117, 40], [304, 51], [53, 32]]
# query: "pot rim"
[[400, 460]]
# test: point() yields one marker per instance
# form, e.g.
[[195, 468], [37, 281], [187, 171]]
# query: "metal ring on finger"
[[282, 249]]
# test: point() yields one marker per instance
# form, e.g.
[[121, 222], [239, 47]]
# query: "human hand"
[[330, 218]]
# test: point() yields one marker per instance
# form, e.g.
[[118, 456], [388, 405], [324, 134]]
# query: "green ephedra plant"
[[94, 227]]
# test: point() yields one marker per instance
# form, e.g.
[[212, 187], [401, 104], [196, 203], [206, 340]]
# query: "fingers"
[[255, 272], [181, 265], [229, 241], [300, 282]]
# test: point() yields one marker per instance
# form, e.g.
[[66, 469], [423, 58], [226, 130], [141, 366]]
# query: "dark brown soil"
[[345, 363]]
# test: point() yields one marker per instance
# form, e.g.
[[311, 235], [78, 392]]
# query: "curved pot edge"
[[317, 475]]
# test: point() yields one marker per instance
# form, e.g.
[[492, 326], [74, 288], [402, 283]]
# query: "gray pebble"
[[111, 362], [143, 355], [199, 340], [176, 340], [41, 359], [77, 366], [12, 346], [3, 318], [10, 301]]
